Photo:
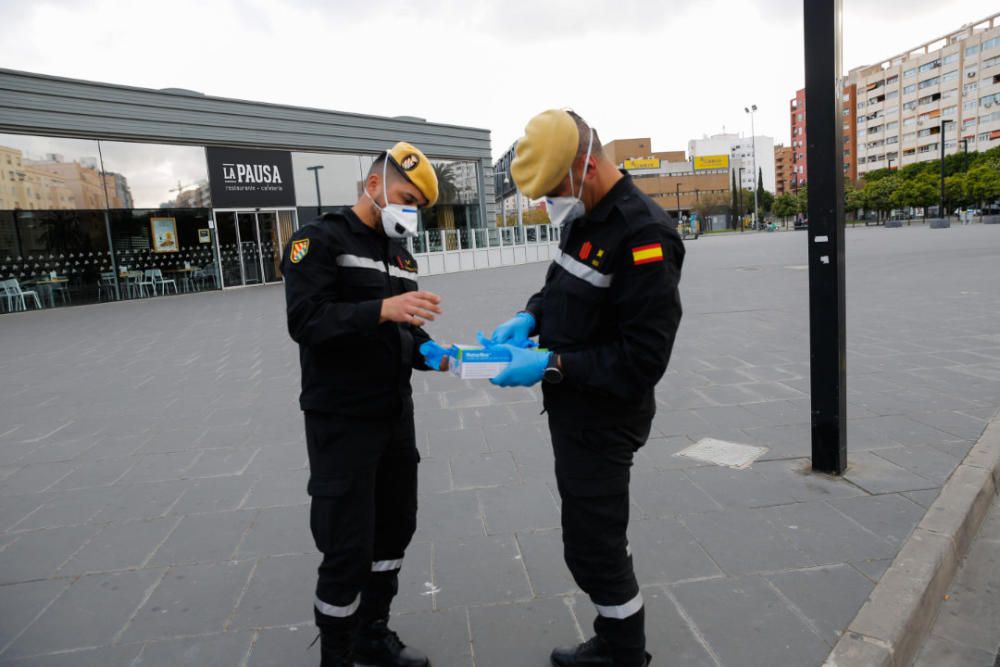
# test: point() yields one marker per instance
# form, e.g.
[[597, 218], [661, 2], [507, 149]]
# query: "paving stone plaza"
[[153, 468]]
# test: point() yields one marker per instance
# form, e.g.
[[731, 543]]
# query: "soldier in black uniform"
[[354, 309], [608, 313]]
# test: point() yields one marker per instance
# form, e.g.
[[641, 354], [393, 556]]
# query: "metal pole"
[[827, 305], [941, 212], [677, 189], [753, 144], [740, 196], [315, 170]]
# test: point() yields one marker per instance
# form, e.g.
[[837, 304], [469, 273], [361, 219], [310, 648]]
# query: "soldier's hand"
[[411, 308]]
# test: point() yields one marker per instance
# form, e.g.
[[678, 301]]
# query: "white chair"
[[14, 294], [155, 277], [106, 286], [203, 275]]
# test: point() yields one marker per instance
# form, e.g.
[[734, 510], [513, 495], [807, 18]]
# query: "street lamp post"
[[315, 170], [753, 142], [677, 189], [941, 211]]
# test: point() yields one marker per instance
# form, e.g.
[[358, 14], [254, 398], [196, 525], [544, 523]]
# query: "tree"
[[711, 203], [982, 184], [802, 196], [760, 189], [927, 191], [786, 206], [854, 199], [878, 193], [766, 201], [735, 203], [955, 192]]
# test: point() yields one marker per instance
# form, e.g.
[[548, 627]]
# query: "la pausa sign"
[[246, 177], [251, 173]]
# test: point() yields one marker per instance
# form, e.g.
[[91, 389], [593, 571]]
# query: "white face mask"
[[398, 220], [564, 209]]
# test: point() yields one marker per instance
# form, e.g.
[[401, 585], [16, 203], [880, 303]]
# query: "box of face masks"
[[474, 362]]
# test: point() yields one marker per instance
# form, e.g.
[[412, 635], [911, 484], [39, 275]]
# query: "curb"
[[893, 623]]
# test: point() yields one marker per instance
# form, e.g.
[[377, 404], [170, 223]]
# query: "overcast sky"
[[666, 69]]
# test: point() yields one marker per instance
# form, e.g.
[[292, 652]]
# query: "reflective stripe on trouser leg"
[[387, 565], [620, 611], [335, 611]]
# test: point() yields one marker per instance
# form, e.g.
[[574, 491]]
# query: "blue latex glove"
[[515, 330], [487, 342], [434, 354], [526, 367]]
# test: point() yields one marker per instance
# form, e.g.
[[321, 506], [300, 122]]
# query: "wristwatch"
[[553, 374]]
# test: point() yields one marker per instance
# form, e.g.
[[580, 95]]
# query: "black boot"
[[378, 646], [334, 647], [595, 652]]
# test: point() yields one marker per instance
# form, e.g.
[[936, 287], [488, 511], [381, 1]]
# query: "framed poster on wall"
[[164, 231], [204, 236]]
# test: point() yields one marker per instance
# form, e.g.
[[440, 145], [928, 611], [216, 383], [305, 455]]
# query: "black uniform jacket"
[[337, 271], [610, 307]]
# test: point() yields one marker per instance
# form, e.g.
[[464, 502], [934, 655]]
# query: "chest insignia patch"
[[299, 250], [407, 265]]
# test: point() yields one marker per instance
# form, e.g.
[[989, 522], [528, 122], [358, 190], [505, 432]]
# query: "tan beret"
[[417, 169], [545, 153]]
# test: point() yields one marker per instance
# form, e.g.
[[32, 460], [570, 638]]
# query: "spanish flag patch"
[[647, 254]]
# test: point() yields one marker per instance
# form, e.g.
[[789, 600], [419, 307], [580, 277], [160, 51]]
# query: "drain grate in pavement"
[[722, 453]]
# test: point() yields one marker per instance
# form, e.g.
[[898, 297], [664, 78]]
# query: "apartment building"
[[946, 90], [783, 170], [849, 112]]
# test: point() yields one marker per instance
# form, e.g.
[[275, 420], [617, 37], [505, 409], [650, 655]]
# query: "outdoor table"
[[184, 273], [46, 285]]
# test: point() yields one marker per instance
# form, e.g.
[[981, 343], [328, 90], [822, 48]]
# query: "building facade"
[[741, 151], [109, 192], [899, 111], [783, 170], [946, 90], [678, 184]]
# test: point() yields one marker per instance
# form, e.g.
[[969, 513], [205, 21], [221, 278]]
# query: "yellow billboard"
[[703, 162], [642, 163]]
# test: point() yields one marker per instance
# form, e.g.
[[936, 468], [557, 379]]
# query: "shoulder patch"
[[408, 265], [298, 250], [647, 253]]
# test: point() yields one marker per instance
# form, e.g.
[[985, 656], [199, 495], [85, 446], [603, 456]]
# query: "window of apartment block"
[[969, 88], [950, 58], [891, 125], [933, 81], [862, 131], [991, 43], [910, 73], [972, 50], [969, 105], [892, 94], [927, 99], [984, 136], [927, 67], [950, 76], [909, 121], [912, 88], [928, 148], [968, 122], [910, 106], [990, 62], [909, 136], [892, 140], [861, 105], [989, 100], [892, 79], [909, 151]]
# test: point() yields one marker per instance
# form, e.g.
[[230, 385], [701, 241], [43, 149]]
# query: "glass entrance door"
[[250, 245]]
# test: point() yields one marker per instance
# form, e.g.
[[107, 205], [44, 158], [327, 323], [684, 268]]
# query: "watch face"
[[552, 375]]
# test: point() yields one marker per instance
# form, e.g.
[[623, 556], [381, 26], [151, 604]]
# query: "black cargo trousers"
[[363, 484], [592, 468]]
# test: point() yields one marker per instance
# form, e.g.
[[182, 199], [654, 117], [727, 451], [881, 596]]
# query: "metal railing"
[[450, 250]]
